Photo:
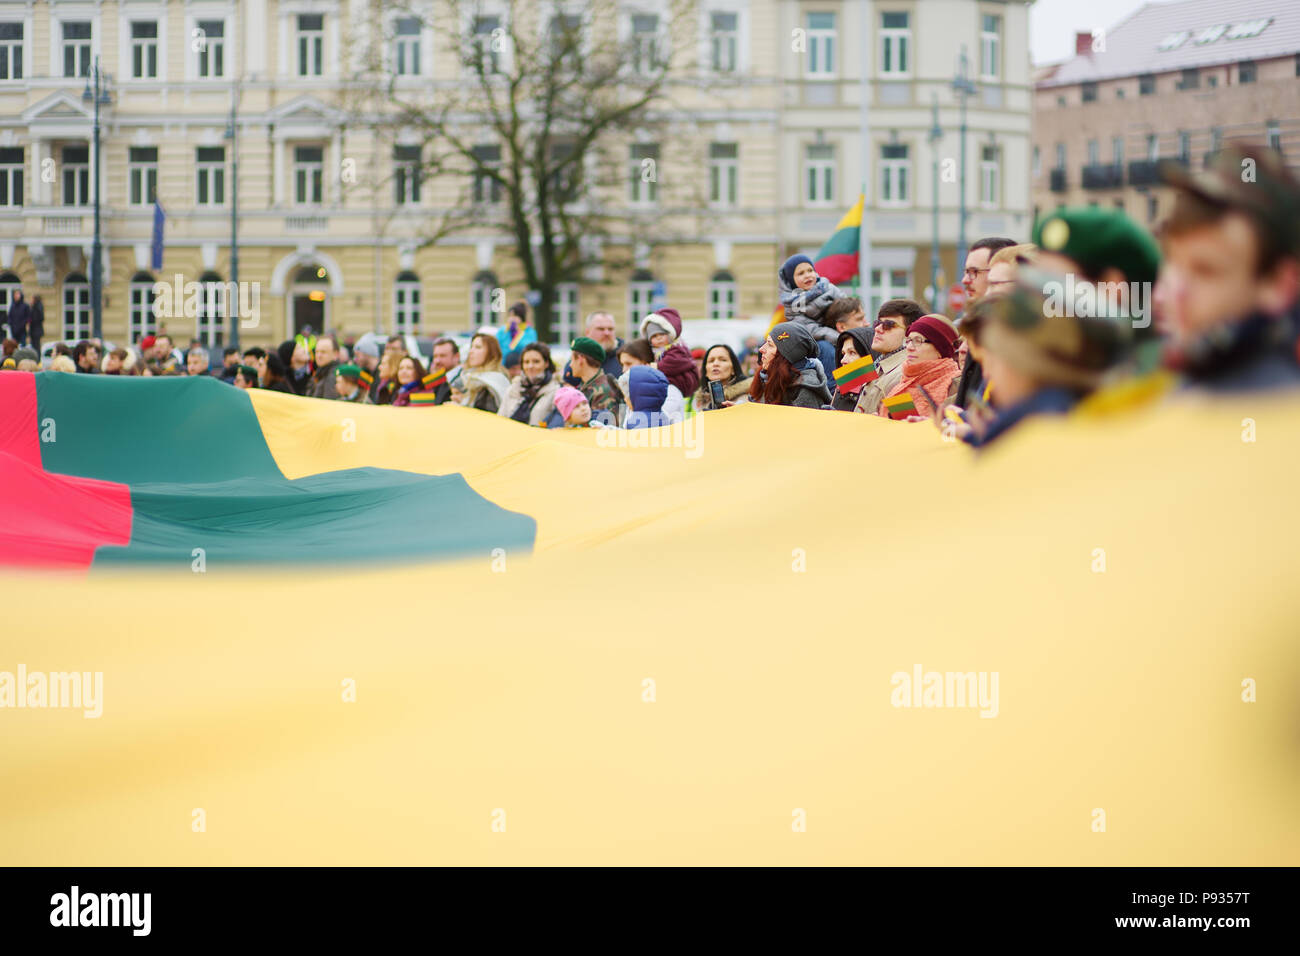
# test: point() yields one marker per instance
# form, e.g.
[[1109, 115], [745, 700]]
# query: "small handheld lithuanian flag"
[[423, 398], [366, 379], [857, 373], [434, 379], [900, 406]]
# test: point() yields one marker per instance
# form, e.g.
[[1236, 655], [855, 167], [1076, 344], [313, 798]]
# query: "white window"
[[1060, 156], [989, 176], [76, 307], [487, 188], [406, 304], [76, 48], [821, 44], [640, 298], [565, 176], [722, 296], [889, 284], [406, 175], [11, 51], [308, 174], [311, 44], [142, 320], [990, 46], [209, 44], [1153, 147], [144, 49], [644, 167], [645, 43], [723, 40], [210, 181], [76, 176], [1273, 136], [1117, 150], [142, 175], [895, 44], [1094, 152], [564, 311], [819, 176], [1038, 165], [210, 320], [565, 36], [406, 46], [490, 39], [895, 175], [724, 174], [480, 299], [11, 176], [1184, 146]]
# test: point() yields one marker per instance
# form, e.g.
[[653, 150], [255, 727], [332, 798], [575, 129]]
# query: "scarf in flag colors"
[[851, 377], [900, 406]]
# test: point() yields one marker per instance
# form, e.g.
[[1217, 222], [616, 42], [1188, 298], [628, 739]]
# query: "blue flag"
[[158, 220]]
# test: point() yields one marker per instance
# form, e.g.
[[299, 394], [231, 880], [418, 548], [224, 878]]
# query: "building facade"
[[766, 125], [1176, 81]]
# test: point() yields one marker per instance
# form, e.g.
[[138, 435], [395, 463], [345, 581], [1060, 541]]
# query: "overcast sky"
[[1053, 23]]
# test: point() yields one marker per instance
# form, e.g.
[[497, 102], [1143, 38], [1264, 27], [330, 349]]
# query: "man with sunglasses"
[[888, 343]]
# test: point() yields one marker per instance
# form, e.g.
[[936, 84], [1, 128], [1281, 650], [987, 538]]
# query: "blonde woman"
[[483, 384], [1004, 267]]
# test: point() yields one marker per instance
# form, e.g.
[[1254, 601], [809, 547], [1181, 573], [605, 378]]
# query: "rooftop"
[[1161, 37]]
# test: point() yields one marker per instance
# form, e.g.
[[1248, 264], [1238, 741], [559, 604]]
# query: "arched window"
[[722, 295], [142, 320], [406, 304], [481, 294], [210, 322], [640, 295], [9, 284], [76, 307]]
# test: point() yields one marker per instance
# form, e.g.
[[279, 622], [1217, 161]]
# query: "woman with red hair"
[[788, 370]]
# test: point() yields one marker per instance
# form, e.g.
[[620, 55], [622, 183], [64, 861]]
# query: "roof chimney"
[[1082, 44]]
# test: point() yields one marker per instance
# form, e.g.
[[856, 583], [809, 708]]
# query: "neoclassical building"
[[767, 134]]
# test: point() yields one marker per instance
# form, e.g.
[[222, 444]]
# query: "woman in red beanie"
[[930, 372]]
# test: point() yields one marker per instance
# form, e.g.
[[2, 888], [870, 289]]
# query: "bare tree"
[[551, 132]]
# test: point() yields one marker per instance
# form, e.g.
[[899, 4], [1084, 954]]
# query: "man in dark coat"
[[19, 317]]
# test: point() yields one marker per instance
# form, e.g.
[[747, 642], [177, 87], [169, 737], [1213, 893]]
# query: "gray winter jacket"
[[807, 308]]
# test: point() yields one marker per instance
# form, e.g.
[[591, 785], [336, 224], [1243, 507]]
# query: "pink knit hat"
[[567, 399]]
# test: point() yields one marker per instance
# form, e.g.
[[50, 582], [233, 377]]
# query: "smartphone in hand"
[[717, 394]]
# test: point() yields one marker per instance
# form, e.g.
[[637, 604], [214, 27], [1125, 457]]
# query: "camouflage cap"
[[1100, 239], [1250, 179], [1049, 342]]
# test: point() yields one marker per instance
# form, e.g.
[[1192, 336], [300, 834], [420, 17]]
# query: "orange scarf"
[[935, 376]]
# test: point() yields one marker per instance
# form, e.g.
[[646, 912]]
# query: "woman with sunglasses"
[[891, 329]]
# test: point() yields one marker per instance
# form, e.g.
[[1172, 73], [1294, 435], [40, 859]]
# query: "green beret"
[[247, 371], [349, 371], [1100, 239], [590, 348]]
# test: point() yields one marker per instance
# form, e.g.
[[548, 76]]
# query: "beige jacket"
[[891, 373]]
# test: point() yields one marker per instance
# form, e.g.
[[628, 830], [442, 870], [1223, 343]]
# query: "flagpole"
[[864, 92]]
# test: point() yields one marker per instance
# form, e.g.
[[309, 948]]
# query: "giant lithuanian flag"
[[837, 260], [445, 637]]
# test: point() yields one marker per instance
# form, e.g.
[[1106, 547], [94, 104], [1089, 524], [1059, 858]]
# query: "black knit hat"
[[793, 341]]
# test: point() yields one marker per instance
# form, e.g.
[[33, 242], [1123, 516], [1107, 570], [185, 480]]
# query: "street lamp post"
[[963, 87], [232, 294], [936, 134], [98, 95]]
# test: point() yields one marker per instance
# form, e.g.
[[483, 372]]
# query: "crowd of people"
[[1050, 324]]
